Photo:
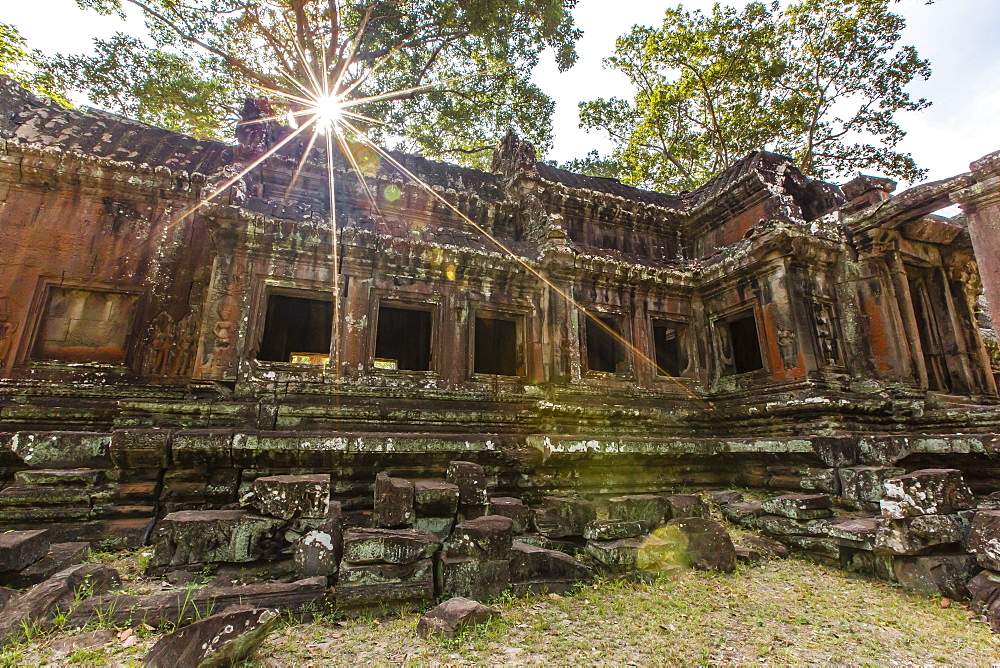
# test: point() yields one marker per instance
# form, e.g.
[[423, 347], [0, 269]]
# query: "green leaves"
[[206, 55], [820, 80], [28, 67]]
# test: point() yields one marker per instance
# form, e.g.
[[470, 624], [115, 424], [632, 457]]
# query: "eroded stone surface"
[[435, 498], [59, 557], [486, 538], [449, 618], [708, 545], [292, 496], [646, 508], [210, 536], [685, 505], [21, 548], [391, 546], [560, 516], [393, 502], [916, 535], [926, 492], [470, 478], [799, 506], [220, 640], [614, 529], [984, 538], [513, 508]]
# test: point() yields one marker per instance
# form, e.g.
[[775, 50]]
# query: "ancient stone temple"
[[766, 330]]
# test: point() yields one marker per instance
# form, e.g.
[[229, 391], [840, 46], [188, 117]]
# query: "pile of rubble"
[[930, 534]]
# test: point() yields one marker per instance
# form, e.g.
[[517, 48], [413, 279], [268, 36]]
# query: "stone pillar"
[[981, 204], [902, 288]]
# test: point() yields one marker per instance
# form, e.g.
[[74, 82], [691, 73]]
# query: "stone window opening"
[[606, 351], [668, 352], [403, 338], [497, 346], [745, 344], [296, 330]]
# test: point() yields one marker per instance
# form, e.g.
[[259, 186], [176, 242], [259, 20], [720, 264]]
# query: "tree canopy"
[[820, 81], [27, 66], [470, 59]]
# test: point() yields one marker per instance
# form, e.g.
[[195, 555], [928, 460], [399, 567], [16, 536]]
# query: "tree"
[[469, 61], [27, 66], [820, 81]]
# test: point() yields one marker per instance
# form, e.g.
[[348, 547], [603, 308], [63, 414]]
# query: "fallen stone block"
[[468, 511], [706, 544], [435, 498], [292, 496], [39, 605], [471, 481], [439, 526], [615, 556], [471, 578], [63, 646], [486, 539], [926, 492], [937, 575], [747, 554], [45, 496], [54, 477], [6, 595], [984, 591], [799, 506], [646, 508], [21, 548], [614, 529], [857, 532], [685, 505], [140, 448], [513, 508], [917, 535], [784, 526], [864, 486], [984, 538], [744, 514], [224, 639], [211, 536], [539, 568], [318, 551], [449, 618], [561, 516], [59, 557], [187, 605], [767, 547], [393, 502], [804, 479], [722, 497], [824, 550], [390, 546]]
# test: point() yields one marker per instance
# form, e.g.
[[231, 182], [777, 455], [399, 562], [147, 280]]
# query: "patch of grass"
[[777, 613]]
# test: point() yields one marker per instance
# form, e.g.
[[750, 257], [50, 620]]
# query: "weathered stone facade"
[[805, 337]]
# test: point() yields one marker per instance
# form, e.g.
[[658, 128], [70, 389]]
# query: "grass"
[[779, 612]]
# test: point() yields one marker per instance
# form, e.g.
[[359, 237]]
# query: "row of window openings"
[[83, 325], [297, 329]]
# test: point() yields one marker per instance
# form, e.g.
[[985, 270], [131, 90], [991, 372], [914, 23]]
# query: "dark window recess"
[[604, 350], [403, 340], [746, 345], [668, 350], [496, 347], [295, 325]]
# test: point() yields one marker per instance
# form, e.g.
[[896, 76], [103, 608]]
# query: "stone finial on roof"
[[514, 156]]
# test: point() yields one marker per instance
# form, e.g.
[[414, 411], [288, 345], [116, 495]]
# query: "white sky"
[[960, 37]]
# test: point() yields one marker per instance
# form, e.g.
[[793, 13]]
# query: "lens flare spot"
[[392, 192], [367, 160], [450, 272]]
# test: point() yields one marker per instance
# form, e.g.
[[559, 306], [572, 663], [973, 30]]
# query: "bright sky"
[[959, 37]]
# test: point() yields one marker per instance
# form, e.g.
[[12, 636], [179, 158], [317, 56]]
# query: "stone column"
[[981, 204]]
